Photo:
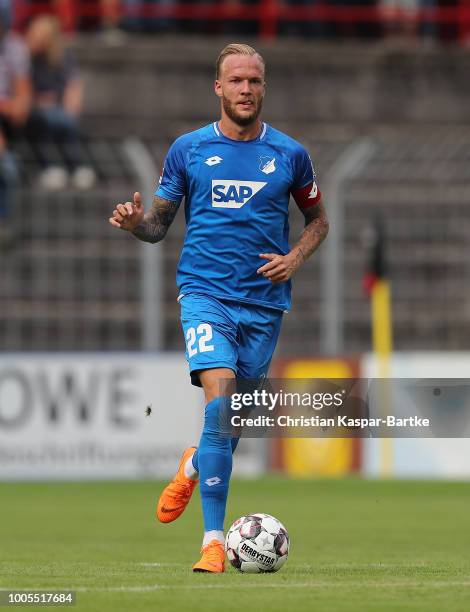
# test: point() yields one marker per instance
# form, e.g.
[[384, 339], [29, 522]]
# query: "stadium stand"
[[72, 282]]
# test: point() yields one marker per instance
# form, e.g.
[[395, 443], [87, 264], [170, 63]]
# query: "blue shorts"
[[228, 334]]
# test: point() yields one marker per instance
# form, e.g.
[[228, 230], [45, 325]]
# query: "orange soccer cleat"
[[213, 558], [176, 495]]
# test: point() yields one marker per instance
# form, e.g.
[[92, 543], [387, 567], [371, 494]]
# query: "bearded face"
[[241, 88], [243, 113]]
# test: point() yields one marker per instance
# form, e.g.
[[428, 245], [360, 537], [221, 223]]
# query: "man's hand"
[[129, 215], [279, 268]]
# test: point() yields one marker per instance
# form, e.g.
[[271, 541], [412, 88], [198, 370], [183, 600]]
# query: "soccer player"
[[236, 175]]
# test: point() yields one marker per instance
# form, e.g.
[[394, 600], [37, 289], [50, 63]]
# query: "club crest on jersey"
[[233, 194], [266, 164]]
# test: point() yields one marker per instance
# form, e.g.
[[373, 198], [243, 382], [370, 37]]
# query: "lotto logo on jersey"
[[233, 194]]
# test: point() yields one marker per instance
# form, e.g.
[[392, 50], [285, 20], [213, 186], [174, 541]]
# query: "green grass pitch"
[[355, 545]]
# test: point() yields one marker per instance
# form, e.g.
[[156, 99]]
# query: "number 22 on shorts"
[[197, 340]]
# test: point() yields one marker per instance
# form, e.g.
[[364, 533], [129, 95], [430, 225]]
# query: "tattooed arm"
[[156, 222], [280, 268], [149, 227], [315, 232]]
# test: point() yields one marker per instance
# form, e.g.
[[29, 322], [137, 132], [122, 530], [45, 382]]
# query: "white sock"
[[213, 535], [189, 470]]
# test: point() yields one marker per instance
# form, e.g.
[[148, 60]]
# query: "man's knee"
[[216, 382]]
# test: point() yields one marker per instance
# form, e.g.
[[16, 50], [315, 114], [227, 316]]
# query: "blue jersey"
[[236, 204]]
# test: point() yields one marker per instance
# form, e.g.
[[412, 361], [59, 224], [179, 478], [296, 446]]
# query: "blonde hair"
[[49, 28], [235, 49]]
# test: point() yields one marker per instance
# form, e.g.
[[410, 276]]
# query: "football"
[[257, 543]]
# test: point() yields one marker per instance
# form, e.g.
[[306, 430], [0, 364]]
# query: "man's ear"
[[218, 88]]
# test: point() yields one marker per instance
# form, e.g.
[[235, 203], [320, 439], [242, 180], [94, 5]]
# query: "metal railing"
[[72, 282], [268, 16]]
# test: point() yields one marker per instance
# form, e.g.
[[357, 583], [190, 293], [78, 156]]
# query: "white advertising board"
[[424, 457], [71, 416], [83, 416]]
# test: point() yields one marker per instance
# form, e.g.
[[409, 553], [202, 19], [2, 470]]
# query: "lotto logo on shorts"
[[233, 194]]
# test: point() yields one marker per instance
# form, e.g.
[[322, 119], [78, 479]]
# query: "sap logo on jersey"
[[233, 194]]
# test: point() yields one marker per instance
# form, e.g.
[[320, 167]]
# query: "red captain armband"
[[307, 196]]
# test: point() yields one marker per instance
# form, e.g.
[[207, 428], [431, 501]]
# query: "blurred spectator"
[[246, 27], [307, 28], [141, 16], [104, 15], [138, 15], [428, 28], [15, 96], [74, 14], [452, 30], [357, 26], [399, 18], [6, 10], [111, 19], [57, 104]]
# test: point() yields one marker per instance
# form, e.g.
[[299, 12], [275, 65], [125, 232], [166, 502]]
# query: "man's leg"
[[192, 466], [8, 182], [259, 331], [258, 334], [210, 330], [214, 467], [214, 454], [211, 381], [8, 185]]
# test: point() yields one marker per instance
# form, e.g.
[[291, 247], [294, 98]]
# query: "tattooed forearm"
[[315, 232], [156, 222]]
